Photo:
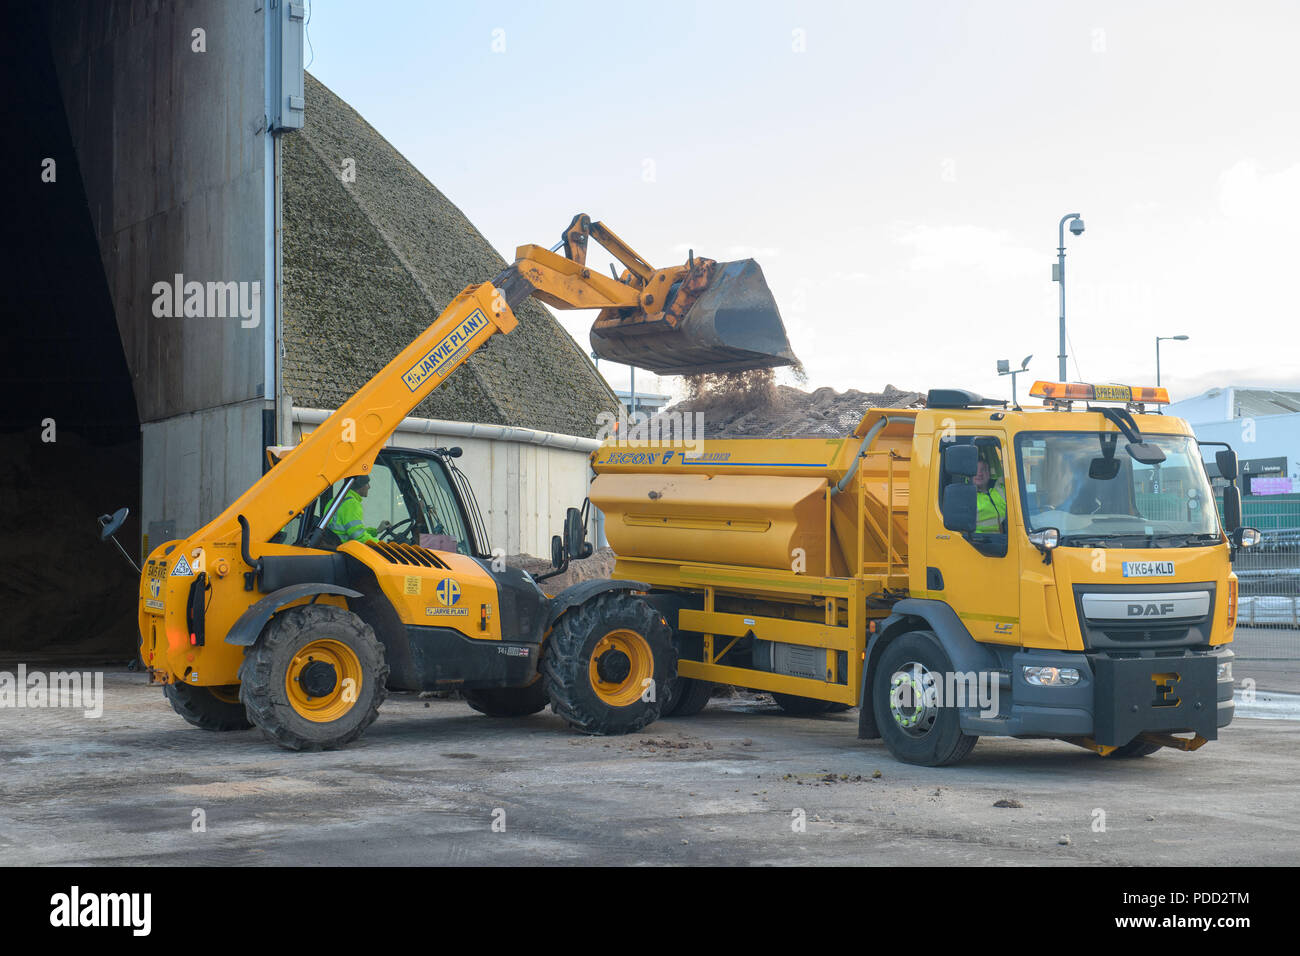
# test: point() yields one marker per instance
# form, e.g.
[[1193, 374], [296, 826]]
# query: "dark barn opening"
[[64, 594]]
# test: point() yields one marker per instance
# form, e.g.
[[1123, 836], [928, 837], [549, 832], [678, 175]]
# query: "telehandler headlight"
[[1038, 675], [1225, 670]]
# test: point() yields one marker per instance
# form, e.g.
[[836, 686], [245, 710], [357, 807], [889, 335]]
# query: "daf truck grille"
[[1137, 617]]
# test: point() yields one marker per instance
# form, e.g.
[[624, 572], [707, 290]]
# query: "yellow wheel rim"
[[621, 667], [309, 669], [227, 695]]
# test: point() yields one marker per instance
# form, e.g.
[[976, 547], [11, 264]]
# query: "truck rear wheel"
[[917, 725], [508, 701], [801, 706], [315, 678], [608, 664], [210, 708], [686, 697]]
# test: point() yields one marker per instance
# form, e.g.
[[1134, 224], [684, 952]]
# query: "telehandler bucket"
[[720, 317]]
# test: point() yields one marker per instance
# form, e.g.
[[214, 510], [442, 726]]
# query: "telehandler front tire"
[[608, 663], [508, 701], [209, 708], [315, 678], [917, 728]]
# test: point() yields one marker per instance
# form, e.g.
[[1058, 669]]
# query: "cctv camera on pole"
[[1058, 274]]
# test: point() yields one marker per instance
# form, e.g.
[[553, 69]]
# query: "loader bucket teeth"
[[732, 325]]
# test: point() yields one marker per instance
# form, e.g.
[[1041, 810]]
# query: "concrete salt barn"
[[162, 145]]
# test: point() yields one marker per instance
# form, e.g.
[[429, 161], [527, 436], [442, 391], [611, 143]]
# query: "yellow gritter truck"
[[964, 570]]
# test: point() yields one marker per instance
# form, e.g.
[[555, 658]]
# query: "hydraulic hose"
[[867, 439]]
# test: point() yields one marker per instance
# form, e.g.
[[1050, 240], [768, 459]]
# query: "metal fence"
[[1268, 575]]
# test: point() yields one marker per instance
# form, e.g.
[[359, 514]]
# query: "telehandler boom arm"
[[348, 442]]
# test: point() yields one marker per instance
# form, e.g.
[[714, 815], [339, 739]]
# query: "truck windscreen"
[[1089, 488]]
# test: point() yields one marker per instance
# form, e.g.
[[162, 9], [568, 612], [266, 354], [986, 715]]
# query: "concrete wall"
[[522, 487], [195, 465], [178, 165]]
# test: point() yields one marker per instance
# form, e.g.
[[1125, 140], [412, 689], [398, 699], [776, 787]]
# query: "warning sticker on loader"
[[182, 569]]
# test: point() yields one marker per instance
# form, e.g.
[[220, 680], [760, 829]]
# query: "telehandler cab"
[[260, 618]]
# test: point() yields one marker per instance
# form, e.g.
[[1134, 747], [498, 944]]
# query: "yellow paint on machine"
[[783, 541], [451, 597]]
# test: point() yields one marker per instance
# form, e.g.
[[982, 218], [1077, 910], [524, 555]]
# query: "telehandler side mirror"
[[110, 524], [575, 535]]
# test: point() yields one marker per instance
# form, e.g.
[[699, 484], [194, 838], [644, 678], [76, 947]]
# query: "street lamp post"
[[1165, 338], [1058, 275]]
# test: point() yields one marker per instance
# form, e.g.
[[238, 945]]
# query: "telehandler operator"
[[348, 523]]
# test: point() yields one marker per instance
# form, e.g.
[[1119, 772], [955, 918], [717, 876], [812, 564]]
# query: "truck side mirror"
[[1103, 469], [960, 509], [961, 460], [1145, 452], [1227, 462], [1231, 508], [557, 552]]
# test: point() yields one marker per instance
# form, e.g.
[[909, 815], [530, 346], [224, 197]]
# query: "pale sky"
[[898, 169]]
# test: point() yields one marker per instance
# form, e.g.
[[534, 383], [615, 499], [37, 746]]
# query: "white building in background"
[[648, 403], [1261, 424]]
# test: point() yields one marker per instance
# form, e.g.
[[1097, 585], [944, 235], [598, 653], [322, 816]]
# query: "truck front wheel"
[[315, 678], [608, 664], [907, 697]]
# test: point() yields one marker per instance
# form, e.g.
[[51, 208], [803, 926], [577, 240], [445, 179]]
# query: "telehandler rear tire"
[[608, 663], [686, 697], [508, 701], [917, 729], [210, 708], [801, 706], [315, 678]]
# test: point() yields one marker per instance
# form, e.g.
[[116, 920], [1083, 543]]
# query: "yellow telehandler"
[[264, 616]]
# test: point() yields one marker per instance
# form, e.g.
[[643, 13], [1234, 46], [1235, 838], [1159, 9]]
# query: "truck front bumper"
[[1114, 700]]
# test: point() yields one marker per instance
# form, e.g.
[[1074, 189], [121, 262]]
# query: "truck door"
[[976, 573]]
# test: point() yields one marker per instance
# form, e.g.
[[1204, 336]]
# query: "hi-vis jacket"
[[347, 523]]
